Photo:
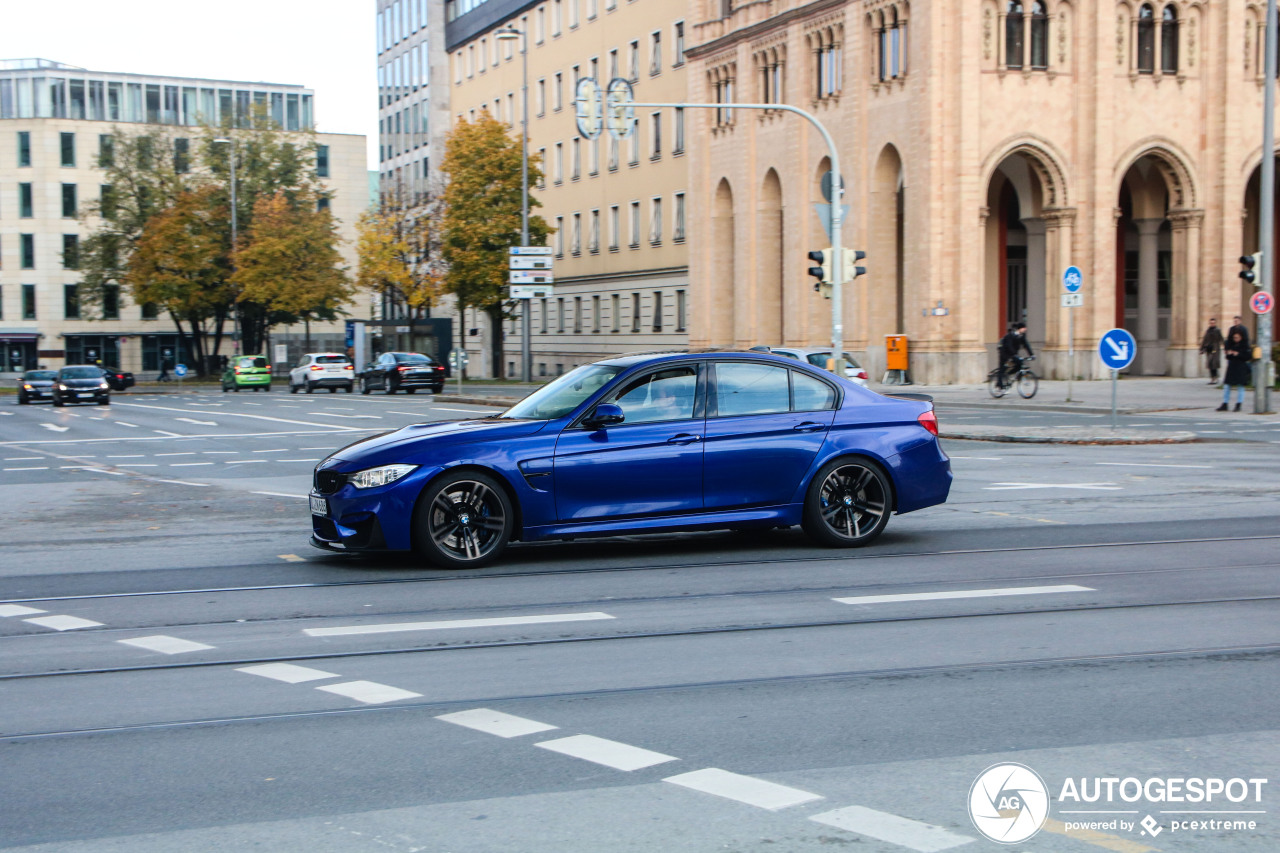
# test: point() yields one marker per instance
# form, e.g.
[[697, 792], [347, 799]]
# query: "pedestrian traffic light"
[[851, 268], [1249, 262], [821, 271]]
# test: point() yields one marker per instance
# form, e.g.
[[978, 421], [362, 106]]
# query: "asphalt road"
[[179, 671]]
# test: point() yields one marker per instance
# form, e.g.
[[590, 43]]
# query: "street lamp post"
[[526, 325], [235, 311]]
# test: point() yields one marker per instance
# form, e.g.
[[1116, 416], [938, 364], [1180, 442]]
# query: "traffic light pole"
[[837, 216], [1266, 226]]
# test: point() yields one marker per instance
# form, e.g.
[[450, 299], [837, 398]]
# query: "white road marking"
[[176, 482], [610, 753], [62, 623], [165, 432], [188, 464], [354, 417], [274, 450], [139, 465], [1152, 465], [181, 453], [496, 723], [287, 672], [467, 411], [411, 414], [196, 422], [38, 458], [300, 448], [220, 452], [912, 834], [55, 427], [329, 429], [308, 461], [964, 593], [7, 610], [31, 468], [166, 645], [243, 461], [984, 458], [280, 495], [1102, 487], [369, 692], [392, 627], [236, 415], [292, 558], [123, 424], [744, 789]]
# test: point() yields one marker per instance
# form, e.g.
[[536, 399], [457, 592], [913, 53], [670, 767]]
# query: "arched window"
[[1039, 35], [895, 46], [1013, 35], [1169, 41], [882, 36], [1146, 41]]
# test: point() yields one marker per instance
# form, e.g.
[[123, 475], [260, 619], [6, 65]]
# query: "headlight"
[[62, 387], [371, 477], [27, 388], [104, 385]]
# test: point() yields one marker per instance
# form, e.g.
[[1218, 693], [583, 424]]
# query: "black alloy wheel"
[[463, 521], [351, 386], [364, 386], [848, 503], [387, 387]]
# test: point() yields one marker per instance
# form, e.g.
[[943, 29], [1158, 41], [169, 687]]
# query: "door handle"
[[684, 438], [809, 426]]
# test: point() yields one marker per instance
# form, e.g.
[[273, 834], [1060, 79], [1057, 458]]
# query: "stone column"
[[1060, 254], [1189, 318], [1150, 351], [1036, 284]]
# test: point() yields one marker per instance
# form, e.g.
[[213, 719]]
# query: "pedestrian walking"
[[1239, 369], [1211, 346], [1238, 326]]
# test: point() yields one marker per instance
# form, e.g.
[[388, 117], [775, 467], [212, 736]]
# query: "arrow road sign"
[[1072, 279], [530, 277], [1117, 349], [529, 262]]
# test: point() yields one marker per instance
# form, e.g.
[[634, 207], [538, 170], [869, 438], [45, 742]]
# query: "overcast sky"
[[327, 46]]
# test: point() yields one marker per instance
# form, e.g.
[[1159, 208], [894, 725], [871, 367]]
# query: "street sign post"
[[529, 262], [530, 277], [530, 291], [1116, 348], [1072, 281]]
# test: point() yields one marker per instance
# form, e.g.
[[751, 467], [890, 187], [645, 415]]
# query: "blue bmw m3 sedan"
[[640, 443]]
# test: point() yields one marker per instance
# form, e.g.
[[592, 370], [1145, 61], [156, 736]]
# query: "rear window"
[[251, 361], [39, 374], [80, 373], [412, 358], [820, 359], [331, 359]]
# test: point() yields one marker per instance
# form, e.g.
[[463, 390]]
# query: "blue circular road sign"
[[180, 370], [1117, 349], [1072, 279]]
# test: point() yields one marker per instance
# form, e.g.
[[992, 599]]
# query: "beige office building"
[[619, 209], [986, 146], [53, 119]]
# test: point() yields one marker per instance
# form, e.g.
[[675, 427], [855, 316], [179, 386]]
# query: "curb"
[[1084, 436]]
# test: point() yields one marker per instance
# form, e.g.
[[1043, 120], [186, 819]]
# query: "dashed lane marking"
[[179, 453], [63, 623], [280, 495], [369, 692], [7, 610], [1152, 465], [496, 723], [292, 558], [964, 593], [1101, 487], [392, 627], [123, 424], [188, 464], [744, 789], [31, 468], [289, 673], [274, 450], [166, 645], [466, 411], [34, 458], [610, 753], [912, 834]]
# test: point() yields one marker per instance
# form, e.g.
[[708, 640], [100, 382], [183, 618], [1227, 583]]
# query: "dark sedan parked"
[[36, 385], [81, 383], [118, 379], [402, 371]]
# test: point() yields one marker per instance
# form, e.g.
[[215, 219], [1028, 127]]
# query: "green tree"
[[289, 263], [399, 253], [482, 218]]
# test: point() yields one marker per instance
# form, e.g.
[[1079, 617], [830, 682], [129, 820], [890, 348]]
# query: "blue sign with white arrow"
[[1117, 349], [1072, 279]]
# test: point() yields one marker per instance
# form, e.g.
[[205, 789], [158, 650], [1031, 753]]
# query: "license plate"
[[90, 394], [319, 505]]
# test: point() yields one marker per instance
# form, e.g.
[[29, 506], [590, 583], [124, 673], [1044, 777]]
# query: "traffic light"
[[851, 268], [1249, 262], [821, 271]]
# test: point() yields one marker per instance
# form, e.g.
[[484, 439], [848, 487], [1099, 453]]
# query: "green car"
[[247, 371]]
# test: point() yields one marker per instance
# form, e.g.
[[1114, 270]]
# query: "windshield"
[[80, 373], [39, 374], [565, 394], [412, 358]]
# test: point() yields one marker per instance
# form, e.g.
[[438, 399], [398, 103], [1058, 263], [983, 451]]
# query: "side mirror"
[[605, 414]]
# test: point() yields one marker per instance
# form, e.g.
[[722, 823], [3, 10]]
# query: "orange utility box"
[[895, 347]]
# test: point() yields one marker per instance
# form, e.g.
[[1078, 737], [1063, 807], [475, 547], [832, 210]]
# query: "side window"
[[302, 362], [809, 394], [751, 389], [666, 395]]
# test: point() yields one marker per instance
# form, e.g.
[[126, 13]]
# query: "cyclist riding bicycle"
[[1010, 344]]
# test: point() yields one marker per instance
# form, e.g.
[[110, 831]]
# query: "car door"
[[765, 425], [648, 465]]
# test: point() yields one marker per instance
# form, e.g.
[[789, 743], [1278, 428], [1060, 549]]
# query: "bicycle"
[[1024, 378]]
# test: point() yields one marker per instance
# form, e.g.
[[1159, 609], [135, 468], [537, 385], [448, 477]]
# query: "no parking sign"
[[1261, 302]]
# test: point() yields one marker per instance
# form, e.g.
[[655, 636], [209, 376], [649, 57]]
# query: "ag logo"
[[1008, 803]]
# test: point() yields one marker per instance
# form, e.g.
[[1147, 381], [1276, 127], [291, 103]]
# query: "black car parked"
[[407, 371], [118, 379], [81, 383], [36, 385]]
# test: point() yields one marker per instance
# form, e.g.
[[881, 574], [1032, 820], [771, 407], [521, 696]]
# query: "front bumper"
[[377, 519]]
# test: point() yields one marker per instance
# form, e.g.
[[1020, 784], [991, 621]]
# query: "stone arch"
[[769, 304], [1173, 165], [885, 282], [723, 275], [1044, 160]]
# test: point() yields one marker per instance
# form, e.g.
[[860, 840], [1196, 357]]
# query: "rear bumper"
[[253, 379], [328, 381]]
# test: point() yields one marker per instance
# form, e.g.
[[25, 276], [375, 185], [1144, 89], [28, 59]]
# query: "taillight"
[[861, 374], [929, 421], [316, 367], [237, 371], [348, 367], [268, 367], [404, 367]]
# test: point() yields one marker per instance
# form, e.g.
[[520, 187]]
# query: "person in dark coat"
[[1211, 346], [1239, 370], [1238, 326], [1010, 345]]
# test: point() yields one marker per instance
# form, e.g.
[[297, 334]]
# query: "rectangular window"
[[678, 147], [577, 315], [655, 146], [322, 161], [68, 149], [558, 173], [595, 313], [542, 30], [615, 228], [635, 225], [559, 236], [111, 303], [28, 302], [24, 148], [655, 53], [560, 314], [678, 58], [545, 311], [633, 146], [577, 158], [616, 303], [70, 251], [613, 153], [542, 172], [677, 229], [635, 312], [70, 302], [542, 96], [182, 155], [557, 17], [576, 245], [28, 244], [68, 201], [657, 310], [106, 201], [655, 220], [633, 63], [559, 91], [573, 14], [680, 311], [593, 238], [26, 204], [106, 150], [613, 63]]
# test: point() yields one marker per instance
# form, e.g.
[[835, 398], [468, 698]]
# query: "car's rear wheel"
[[848, 503], [57, 401], [364, 386], [333, 389], [105, 401], [387, 387], [410, 390], [351, 386], [463, 521]]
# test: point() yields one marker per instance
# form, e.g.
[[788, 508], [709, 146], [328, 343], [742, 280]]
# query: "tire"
[[387, 387], [23, 400], [410, 390], [293, 389], [364, 386], [105, 401], [225, 389], [266, 389], [333, 389], [463, 520], [57, 402], [1028, 383], [993, 385], [439, 389], [310, 388], [351, 386], [847, 503]]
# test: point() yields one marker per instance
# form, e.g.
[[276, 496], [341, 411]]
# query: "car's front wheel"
[[848, 503], [463, 520], [22, 398], [364, 386]]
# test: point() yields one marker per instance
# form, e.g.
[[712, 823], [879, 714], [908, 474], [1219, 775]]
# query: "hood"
[[82, 383], [424, 436]]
